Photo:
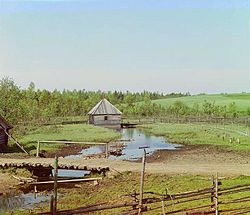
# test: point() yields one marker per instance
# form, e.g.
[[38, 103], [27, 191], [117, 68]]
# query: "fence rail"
[[217, 199]]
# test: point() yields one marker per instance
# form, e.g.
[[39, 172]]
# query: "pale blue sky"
[[157, 45]]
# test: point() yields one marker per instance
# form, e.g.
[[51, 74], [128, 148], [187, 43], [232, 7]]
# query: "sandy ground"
[[192, 159]]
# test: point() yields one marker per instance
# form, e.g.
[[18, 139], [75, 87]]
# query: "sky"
[[196, 46]]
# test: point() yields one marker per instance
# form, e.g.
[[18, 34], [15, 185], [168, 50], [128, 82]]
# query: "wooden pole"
[[55, 184], [212, 193], [107, 151], [216, 196], [51, 204], [163, 208], [38, 149], [142, 182]]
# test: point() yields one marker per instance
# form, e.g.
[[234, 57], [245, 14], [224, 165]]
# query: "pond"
[[25, 198], [129, 148], [18, 200]]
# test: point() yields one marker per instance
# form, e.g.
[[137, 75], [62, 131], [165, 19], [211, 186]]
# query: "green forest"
[[31, 104]]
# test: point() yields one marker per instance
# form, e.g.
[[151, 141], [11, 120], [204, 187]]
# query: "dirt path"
[[195, 160]]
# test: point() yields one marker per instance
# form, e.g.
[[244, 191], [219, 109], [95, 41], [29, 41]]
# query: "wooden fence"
[[188, 119], [216, 199]]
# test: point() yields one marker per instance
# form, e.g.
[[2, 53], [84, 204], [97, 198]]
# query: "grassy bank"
[[229, 136], [79, 132], [114, 190]]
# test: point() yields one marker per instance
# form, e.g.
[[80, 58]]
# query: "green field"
[[79, 132], [206, 134], [242, 100]]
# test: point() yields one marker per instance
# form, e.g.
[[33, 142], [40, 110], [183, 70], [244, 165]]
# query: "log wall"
[[105, 119]]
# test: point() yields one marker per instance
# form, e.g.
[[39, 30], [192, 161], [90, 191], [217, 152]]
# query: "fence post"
[[55, 184], [163, 209], [213, 193], [142, 182], [51, 204], [107, 151], [216, 195], [38, 149]]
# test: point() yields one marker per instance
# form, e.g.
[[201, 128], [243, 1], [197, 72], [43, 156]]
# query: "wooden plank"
[[67, 181], [72, 142]]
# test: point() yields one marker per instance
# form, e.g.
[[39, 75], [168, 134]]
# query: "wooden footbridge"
[[45, 169]]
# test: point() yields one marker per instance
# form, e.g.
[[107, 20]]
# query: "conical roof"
[[104, 107]]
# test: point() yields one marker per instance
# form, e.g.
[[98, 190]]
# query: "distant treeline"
[[31, 104]]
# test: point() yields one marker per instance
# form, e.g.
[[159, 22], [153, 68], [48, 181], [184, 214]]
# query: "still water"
[[134, 138], [15, 200]]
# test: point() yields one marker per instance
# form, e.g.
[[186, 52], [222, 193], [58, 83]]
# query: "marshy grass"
[[232, 137]]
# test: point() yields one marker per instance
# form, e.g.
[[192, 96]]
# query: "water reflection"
[[133, 139], [10, 201], [16, 200]]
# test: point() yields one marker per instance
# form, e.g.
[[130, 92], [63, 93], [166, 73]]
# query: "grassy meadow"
[[242, 100], [76, 132], [113, 191], [207, 134]]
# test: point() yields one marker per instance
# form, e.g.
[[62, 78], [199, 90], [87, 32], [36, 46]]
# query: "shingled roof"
[[4, 124], [104, 107]]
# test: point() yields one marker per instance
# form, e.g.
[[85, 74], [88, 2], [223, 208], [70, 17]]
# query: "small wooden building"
[[4, 127], [106, 114]]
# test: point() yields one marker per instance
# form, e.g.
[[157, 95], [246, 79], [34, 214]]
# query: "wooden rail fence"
[[216, 199]]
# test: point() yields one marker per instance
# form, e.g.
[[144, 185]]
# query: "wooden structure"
[[44, 169], [215, 199], [105, 114], [4, 130]]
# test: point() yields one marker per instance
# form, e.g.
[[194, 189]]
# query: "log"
[[72, 142], [67, 181]]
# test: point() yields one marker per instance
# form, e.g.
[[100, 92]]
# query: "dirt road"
[[194, 160]]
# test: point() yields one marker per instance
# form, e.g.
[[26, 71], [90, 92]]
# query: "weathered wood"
[[234, 191], [72, 142], [142, 182], [163, 208], [234, 209], [24, 179], [16, 142], [91, 208], [55, 185], [38, 149], [216, 196], [106, 151], [67, 181], [233, 187], [49, 166]]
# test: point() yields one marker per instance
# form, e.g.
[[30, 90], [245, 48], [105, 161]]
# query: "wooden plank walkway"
[[30, 165]]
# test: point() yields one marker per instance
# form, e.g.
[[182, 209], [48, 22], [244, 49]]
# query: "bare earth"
[[194, 160]]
